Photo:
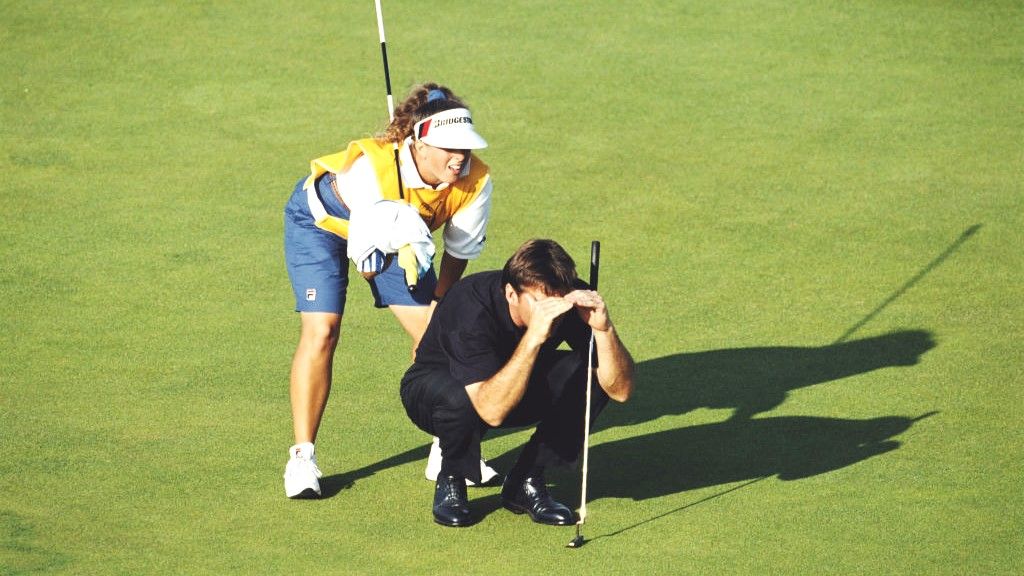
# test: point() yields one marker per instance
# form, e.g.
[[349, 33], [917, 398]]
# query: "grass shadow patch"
[[689, 458], [331, 485], [755, 380]]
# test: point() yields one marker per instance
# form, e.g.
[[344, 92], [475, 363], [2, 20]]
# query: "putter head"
[[576, 542]]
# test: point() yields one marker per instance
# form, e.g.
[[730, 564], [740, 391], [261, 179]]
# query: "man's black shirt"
[[472, 334]]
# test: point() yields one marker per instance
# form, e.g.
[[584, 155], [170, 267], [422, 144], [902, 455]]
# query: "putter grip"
[[595, 262]]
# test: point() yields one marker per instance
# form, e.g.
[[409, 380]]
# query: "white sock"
[[303, 450]]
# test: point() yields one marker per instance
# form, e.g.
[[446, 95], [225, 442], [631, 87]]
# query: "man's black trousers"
[[555, 400]]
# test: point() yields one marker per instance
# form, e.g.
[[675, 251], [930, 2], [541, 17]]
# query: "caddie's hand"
[[544, 315], [591, 308]]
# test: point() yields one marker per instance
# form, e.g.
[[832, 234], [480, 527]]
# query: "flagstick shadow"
[[964, 236]]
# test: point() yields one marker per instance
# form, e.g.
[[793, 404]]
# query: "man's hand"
[[544, 315], [615, 368], [591, 308]]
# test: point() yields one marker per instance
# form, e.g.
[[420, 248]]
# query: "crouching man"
[[490, 358]]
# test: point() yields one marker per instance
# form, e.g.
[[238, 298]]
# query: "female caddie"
[[441, 179]]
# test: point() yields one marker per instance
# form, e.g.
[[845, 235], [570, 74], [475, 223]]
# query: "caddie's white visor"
[[452, 129]]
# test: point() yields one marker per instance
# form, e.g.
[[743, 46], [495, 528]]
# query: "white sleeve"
[[465, 232], [358, 185]]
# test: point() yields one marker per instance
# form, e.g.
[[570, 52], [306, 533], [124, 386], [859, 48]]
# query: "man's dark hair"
[[540, 264]]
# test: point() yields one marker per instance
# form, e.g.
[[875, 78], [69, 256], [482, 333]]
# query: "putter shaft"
[[577, 541]]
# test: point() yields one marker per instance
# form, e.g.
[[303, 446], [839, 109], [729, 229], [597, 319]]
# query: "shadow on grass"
[[747, 380], [331, 485], [788, 447], [743, 448], [754, 380], [735, 451]]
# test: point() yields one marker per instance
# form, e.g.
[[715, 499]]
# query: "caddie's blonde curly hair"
[[416, 107]]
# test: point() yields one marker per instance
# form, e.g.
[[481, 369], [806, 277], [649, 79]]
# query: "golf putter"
[[578, 541]]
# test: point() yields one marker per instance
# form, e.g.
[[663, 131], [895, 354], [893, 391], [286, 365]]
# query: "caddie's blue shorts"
[[318, 264]]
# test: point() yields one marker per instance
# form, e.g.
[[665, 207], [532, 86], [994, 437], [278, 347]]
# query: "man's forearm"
[[450, 271], [615, 369], [495, 397]]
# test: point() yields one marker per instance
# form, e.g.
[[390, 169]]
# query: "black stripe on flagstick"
[[387, 74], [398, 171]]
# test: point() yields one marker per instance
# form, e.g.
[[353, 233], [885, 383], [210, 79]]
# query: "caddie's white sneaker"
[[301, 475], [434, 461], [487, 474]]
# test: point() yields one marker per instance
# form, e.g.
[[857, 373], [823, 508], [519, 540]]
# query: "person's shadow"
[[748, 381], [694, 457], [754, 380]]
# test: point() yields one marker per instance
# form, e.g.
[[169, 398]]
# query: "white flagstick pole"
[[387, 85], [411, 278]]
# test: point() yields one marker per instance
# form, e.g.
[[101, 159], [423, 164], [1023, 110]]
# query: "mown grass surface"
[[811, 218]]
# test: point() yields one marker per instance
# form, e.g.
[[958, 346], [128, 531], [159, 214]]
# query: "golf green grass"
[[812, 222]]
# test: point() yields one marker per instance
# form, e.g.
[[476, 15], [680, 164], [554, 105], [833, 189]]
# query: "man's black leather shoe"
[[451, 507], [531, 496]]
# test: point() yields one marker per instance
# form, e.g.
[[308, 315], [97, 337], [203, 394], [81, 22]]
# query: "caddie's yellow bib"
[[435, 206]]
